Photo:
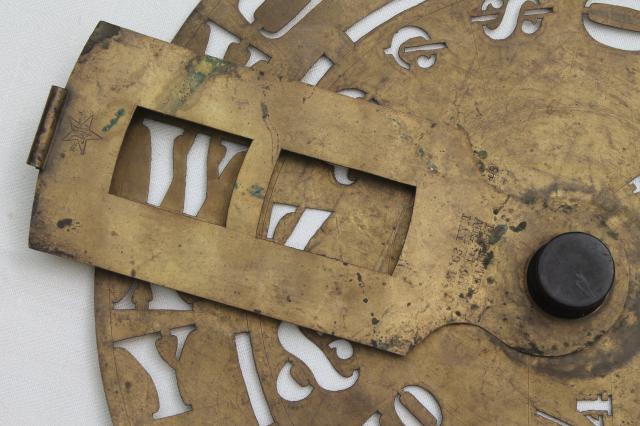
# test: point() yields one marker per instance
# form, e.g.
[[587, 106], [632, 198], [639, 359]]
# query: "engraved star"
[[81, 133]]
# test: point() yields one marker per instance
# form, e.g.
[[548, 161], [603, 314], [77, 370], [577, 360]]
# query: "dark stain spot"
[[365, 300], [127, 385], [521, 227], [497, 234], [482, 154], [101, 35], [64, 223], [289, 299], [265, 111], [470, 293], [375, 321], [133, 273], [360, 282], [486, 261], [529, 197]]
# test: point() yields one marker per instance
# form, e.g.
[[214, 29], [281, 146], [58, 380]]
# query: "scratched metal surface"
[[521, 389]]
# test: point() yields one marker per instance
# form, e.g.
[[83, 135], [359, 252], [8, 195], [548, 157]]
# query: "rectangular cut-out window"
[[178, 166], [331, 211]]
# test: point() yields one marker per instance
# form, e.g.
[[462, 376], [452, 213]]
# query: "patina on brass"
[[605, 369], [479, 382], [475, 379], [484, 237]]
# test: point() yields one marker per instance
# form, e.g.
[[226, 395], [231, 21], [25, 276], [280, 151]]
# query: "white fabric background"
[[48, 361]]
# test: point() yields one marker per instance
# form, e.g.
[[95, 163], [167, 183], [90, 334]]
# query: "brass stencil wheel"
[[546, 129]]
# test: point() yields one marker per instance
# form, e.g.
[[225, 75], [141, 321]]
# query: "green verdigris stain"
[[114, 120], [196, 79], [256, 191], [198, 71]]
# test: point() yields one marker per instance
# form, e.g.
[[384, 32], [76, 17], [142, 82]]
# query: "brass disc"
[[545, 125]]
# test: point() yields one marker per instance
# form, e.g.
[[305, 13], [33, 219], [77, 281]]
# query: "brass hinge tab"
[[47, 128]]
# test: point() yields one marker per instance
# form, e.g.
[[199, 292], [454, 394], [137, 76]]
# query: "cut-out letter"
[[379, 17], [162, 139], [278, 212], [219, 41], [317, 71], [252, 380], [146, 350], [601, 24], [510, 11], [306, 228], [288, 388], [256, 55], [167, 299], [299, 17], [419, 43], [232, 149], [195, 191], [551, 418], [425, 399], [297, 344], [636, 185], [248, 9]]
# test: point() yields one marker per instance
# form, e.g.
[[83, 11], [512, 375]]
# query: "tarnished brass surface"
[[552, 109], [484, 237], [475, 379], [518, 390]]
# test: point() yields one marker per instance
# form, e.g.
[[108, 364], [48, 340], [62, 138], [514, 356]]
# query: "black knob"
[[571, 275]]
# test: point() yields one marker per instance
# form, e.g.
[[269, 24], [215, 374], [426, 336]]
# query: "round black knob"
[[571, 275]]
